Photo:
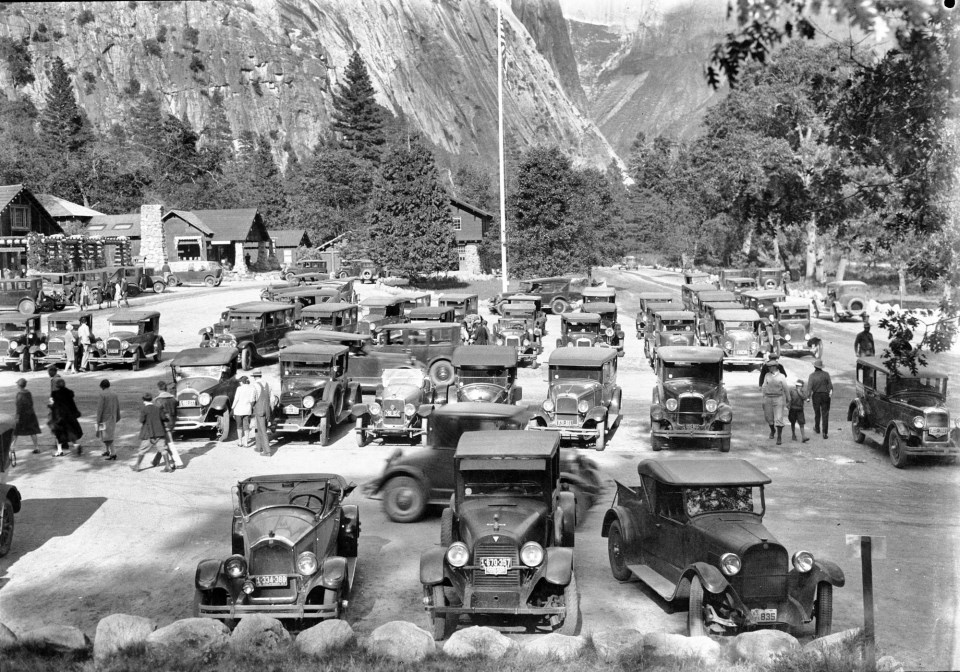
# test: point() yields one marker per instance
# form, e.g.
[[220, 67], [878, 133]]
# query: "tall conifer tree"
[[62, 122], [357, 118]]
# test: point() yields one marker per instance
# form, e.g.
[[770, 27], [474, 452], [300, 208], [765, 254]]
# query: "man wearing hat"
[[262, 412], [863, 346], [773, 358], [820, 389], [244, 400], [776, 396], [798, 398]]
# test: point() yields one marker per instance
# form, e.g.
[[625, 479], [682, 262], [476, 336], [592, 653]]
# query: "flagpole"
[[503, 200]]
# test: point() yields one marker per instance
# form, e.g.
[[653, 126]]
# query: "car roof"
[[737, 315], [421, 325], [205, 356], [479, 408], [259, 307], [283, 478], [524, 307], [599, 307], [458, 296], [552, 278], [133, 315], [697, 287], [484, 355], [508, 443], [581, 356], [307, 290], [382, 300], [583, 318], [690, 353], [723, 305], [326, 336], [763, 293], [328, 307], [325, 350], [655, 308], [414, 295], [17, 317], [675, 314], [598, 291], [702, 471], [429, 311], [648, 296], [739, 278], [922, 372], [793, 303], [716, 294], [69, 317], [771, 268]]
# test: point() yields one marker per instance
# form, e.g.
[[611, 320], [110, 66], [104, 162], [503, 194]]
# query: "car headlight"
[[531, 554], [14, 344], [409, 410], [309, 402], [671, 404], [101, 345], [754, 345], [548, 406], [803, 561], [235, 566], [43, 346], [807, 337], [918, 421], [526, 342], [787, 337], [727, 345], [729, 563], [457, 554], [374, 408], [204, 399], [711, 405], [307, 563], [609, 332], [500, 341], [124, 344], [583, 406]]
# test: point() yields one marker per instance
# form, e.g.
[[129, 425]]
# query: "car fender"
[[350, 520], [431, 566], [856, 405], [711, 578], [205, 331], [824, 571], [208, 571], [598, 414], [359, 410], [10, 492], [333, 572], [159, 343], [622, 515], [558, 566], [540, 418], [899, 427], [34, 349], [567, 520], [219, 403], [402, 470], [816, 340]]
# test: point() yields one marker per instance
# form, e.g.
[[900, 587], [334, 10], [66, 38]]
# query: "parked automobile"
[[205, 383], [508, 528], [647, 302], [253, 328], [737, 285], [274, 289], [24, 295], [430, 343], [741, 333], [689, 400], [365, 269], [700, 299], [540, 314], [462, 304], [199, 272], [906, 413], [375, 311], [433, 314], [729, 273], [518, 328], [137, 278], [762, 300], [693, 530], [51, 348], [611, 334], [845, 300], [598, 294], [697, 278], [308, 295], [580, 330], [294, 551], [20, 339], [791, 330], [556, 293], [771, 277], [485, 373], [688, 294], [415, 300], [96, 279], [316, 394], [132, 335], [309, 278], [628, 263], [10, 498], [395, 411], [584, 402], [331, 316], [57, 288], [670, 328], [305, 266]]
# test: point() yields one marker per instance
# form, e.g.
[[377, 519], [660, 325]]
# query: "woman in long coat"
[[63, 417], [25, 421], [108, 414]]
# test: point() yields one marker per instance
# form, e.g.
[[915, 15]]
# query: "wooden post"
[[869, 645]]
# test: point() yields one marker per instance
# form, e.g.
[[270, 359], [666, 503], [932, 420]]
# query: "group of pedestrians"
[[81, 341], [780, 400], [252, 404]]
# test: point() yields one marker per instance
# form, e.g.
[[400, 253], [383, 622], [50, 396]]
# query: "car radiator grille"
[[488, 548], [55, 346], [938, 425], [271, 560], [584, 343], [763, 574], [392, 409], [290, 399], [690, 409], [513, 341], [113, 346], [566, 405]]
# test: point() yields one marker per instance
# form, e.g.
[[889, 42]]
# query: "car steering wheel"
[[309, 496]]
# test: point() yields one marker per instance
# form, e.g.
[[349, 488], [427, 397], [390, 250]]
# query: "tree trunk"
[[811, 248], [748, 241], [821, 269], [776, 250], [842, 267], [902, 272]]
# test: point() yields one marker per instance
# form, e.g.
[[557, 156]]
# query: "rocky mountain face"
[[275, 63]]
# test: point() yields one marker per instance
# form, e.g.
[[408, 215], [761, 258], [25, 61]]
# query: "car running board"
[[875, 435], [351, 572], [664, 588]]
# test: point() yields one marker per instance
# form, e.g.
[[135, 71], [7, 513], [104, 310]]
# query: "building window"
[[19, 218], [461, 252], [457, 224], [122, 227], [188, 249], [96, 227]]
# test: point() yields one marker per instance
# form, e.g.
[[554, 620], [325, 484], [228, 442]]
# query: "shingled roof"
[[234, 225], [288, 237], [60, 207]]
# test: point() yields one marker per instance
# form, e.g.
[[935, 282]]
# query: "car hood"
[[123, 335], [688, 385], [285, 523], [577, 388], [197, 383], [482, 392], [520, 519], [676, 338], [303, 384], [733, 531], [408, 393]]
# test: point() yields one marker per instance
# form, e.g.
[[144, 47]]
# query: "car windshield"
[[243, 321], [124, 327], [696, 370], [376, 311], [795, 314], [52, 325], [12, 326], [514, 324], [738, 326], [676, 326], [188, 371], [582, 328], [931, 385], [718, 499], [497, 483], [446, 430], [494, 376], [305, 369], [412, 377], [576, 373]]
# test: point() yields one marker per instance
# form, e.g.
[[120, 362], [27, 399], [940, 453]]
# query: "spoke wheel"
[[135, 364], [571, 600], [695, 624], [324, 437], [601, 437], [210, 281], [441, 373], [404, 500], [158, 287], [443, 625], [559, 306], [823, 611], [27, 307], [856, 427], [223, 426], [246, 359], [363, 437], [331, 598], [6, 532], [446, 527], [615, 548], [895, 447], [158, 354]]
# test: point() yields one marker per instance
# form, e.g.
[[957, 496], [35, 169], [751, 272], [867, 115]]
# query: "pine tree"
[[145, 126], [356, 116], [410, 228], [217, 136], [62, 122]]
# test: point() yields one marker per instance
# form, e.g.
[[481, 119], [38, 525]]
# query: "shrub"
[[89, 77], [57, 35], [152, 47], [84, 17], [196, 65], [255, 83], [191, 35], [161, 34], [133, 87], [17, 56]]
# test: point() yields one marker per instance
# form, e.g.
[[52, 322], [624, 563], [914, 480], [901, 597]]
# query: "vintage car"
[[199, 272], [309, 278], [430, 343], [583, 399], [688, 294], [366, 364], [254, 329], [132, 335], [845, 300], [309, 295], [315, 393], [433, 314], [24, 295], [762, 300], [611, 333], [556, 293], [51, 348], [689, 401], [365, 269], [485, 373], [10, 499], [271, 291], [415, 300], [294, 551], [395, 411], [771, 277], [375, 311], [462, 304], [137, 279], [580, 330], [306, 266], [331, 317], [539, 313], [628, 263], [790, 329], [57, 288], [697, 278], [729, 273], [518, 328], [741, 333], [20, 340], [204, 383], [506, 540], [738, 284], [700, 299], [599, 294], [693, 530], [906, 414], [648, 302], [670, 327]]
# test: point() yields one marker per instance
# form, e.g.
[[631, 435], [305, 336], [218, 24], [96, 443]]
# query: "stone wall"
[[153, 244], [471, 260]]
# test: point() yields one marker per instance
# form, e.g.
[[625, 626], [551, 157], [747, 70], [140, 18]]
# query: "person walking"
[[86, 344], [63, 418], [168, 411], [54, 374], [25, 421], [243, 402], [153, 434], [262, 414], [772, 359], [863, 345], [482, 336], [776, 396], [798, 397], [85, 300], [108, 415], [70, 341], [120, 293], [820, 389]]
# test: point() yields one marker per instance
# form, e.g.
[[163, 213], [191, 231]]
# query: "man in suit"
[[262, 413], [153, 435]]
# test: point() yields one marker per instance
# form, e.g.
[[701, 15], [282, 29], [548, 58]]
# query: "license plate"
[[270, 580], [764, 615], [291, 410], [937, 431], [391, 414], [188, 402], [496, 566], [567, 423], [743, 352]]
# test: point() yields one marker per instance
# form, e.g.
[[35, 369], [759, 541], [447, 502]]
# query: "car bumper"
[[294, 424], [387, 430], [742, 360], [190, 424], [232, 611], [570, 432], [52, 358], [789, 346], [691, 433], [113, 359], [518, 611], [933, 449]]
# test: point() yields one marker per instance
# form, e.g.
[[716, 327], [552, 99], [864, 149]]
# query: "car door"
[[662, 535]]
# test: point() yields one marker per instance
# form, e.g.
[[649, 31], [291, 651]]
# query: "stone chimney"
[[153, 244]]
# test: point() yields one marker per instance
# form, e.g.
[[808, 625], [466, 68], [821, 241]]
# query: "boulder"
[[117, 631], [401, 640], [666, 645], [611, 645], [260, 633], [478, 641], [761, 646], [830, 641], [555, 646], [195, 639], [58, 638], [7, 637], [325, 637], [889, 664]]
